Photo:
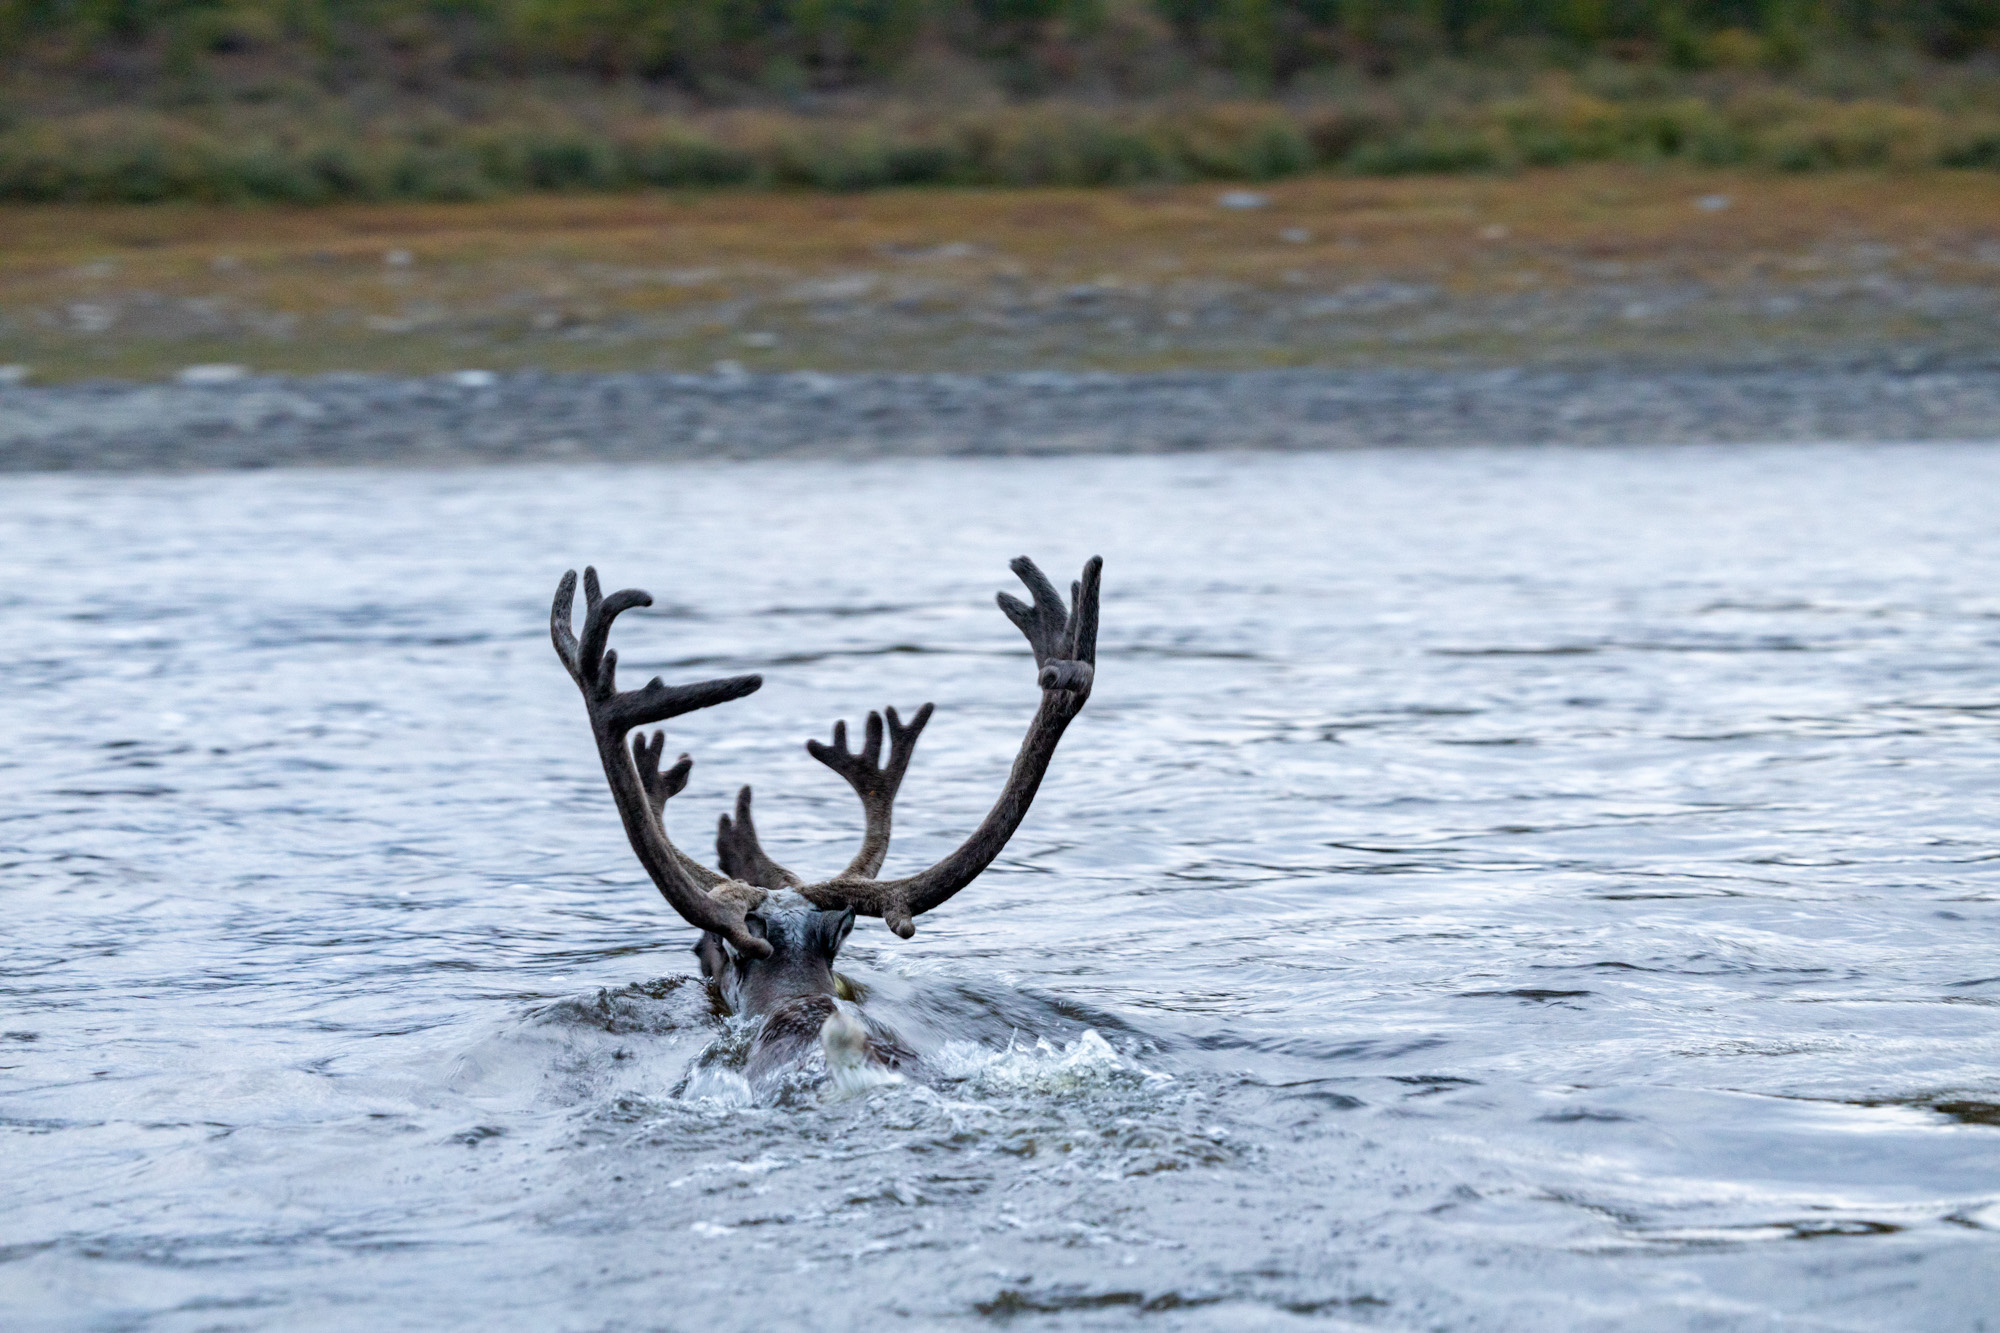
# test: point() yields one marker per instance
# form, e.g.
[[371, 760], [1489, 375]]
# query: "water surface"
[[1487, 890]]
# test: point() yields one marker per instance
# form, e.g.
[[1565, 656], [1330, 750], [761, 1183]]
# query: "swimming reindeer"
[[769, 939]]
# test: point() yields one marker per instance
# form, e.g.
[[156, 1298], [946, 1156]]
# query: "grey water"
[[1489, 889]]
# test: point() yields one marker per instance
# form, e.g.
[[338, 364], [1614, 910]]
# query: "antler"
[[742, 857], [1064, 640], [874, 782], [640, 789]]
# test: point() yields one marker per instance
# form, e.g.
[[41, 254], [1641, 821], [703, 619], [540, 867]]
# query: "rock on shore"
[[340, 420]]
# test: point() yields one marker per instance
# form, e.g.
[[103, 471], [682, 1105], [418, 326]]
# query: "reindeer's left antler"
[[640, 789]]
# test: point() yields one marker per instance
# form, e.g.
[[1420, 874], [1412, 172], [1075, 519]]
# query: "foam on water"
[[1087, 1063]]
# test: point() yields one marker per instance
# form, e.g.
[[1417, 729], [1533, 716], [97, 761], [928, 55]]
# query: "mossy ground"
[[1586, 263]]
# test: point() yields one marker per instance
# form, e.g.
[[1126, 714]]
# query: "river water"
[[1489, 889]]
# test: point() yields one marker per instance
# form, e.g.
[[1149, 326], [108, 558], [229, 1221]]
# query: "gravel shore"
[[339, 420]]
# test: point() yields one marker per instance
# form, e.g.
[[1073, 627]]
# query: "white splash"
[[850, 1073], [1088, 1062], [724, 1087]]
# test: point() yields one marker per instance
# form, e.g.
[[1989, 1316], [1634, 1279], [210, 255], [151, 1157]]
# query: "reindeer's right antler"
[[1064, 640], [641, 790]]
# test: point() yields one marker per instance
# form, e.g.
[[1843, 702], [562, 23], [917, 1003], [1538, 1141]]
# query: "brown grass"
[[794, 280]]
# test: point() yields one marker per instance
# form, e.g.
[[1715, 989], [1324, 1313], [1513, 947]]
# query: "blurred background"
[[441, 99], [992, 184]]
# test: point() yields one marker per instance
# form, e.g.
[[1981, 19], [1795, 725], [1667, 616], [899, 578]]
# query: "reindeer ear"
[[830, 931], [712, 953]]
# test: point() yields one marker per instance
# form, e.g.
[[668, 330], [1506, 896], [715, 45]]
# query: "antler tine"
[[741, 856], [562, 616], [1083, 612], [595, 668], [903, 741], [1064, 641], [660, 787], [1079, 636], [1045, 622], [639, 788], [875, 782], [598, 613]]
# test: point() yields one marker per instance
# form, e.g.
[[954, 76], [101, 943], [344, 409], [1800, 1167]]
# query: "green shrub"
[[1429, 150], [792, 47], [927, 161], [1235, 142], [1863, 134], [1067, 146], [1972, 146], [147, 156]]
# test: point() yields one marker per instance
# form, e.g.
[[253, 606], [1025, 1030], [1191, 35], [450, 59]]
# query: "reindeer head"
[[767, 936], [804, 942]]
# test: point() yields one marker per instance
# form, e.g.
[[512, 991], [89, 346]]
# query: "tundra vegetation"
[[313, 100], [1589, 264]]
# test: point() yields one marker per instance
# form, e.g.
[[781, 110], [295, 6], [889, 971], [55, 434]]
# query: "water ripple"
[[1501, 889]]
